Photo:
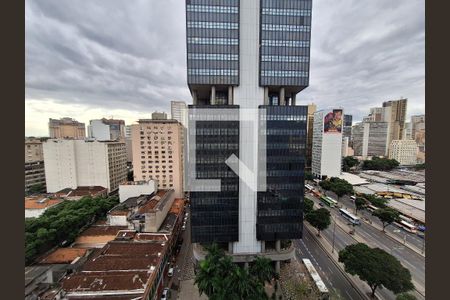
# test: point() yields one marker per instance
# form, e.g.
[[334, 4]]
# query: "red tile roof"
[[63, 255]]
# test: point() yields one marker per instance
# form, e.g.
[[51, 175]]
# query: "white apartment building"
[[106, 129], [73, 163], [158, 153], [327, 143], [136, 188], [370, 139], [404, 151], [178, 110]]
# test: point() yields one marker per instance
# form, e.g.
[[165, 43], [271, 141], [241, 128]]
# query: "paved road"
[[375, 238], [307, 247], [412, 238]]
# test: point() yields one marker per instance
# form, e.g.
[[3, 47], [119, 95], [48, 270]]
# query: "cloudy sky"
[[90, 59]]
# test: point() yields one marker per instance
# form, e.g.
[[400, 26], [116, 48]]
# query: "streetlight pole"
[[334, 233]]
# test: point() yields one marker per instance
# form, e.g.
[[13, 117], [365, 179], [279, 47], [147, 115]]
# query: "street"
[[375, 238], [333, 278]]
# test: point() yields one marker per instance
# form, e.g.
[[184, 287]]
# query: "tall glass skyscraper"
[[246, 61]]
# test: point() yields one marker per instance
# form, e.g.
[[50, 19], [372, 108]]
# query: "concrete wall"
[[99, 131], [60, 165], [135, 190]]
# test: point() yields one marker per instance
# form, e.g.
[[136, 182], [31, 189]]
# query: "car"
[[170, 272], [186, 214], [183, 227], [321, 204], [165, 294]]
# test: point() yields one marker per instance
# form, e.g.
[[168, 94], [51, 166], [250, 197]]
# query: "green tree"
[[405, 296], [376, 267], [375, 201], [308, 206], [263, 269], [219, 278], [387, 216], [378, 163], [320, 219], [309, 176], [360, 203], [349, 162]]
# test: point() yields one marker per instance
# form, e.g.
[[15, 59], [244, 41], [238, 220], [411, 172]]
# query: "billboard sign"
[[332, 122]]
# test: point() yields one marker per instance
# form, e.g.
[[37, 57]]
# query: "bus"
[[371, 208], [349, 216], [318, 283], [329, 201], [406, 226], [308, 187]]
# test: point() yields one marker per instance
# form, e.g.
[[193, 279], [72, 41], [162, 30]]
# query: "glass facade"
[[214, 215], [212, 29], [285, 43], [280, 208]]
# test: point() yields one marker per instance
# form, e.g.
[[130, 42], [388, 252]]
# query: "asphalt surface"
[[375, 238], [333, 278], [411, 238]]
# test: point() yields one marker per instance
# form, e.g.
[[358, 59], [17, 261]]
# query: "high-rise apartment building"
[[159, 115], [327, 143], [178, 110], [34, 163], [66, 128], [74, 163], [246, 61], [376, 114], [394, 112], [407, 133], [404, 151], [107, 129], [370, 139], [418, 131], [158, 153], [309, 132]]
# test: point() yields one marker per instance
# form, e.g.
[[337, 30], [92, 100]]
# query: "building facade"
[[66, 128], [73, 163], [404, 151], [158, 153], [309, 132], [395, 114], [178, 110], [370, 139], [248, 58], [159, 115], [107, 129], [34, 164], [327, 143], [418, 131]]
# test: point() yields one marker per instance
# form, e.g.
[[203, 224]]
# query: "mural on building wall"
[[333, 122]]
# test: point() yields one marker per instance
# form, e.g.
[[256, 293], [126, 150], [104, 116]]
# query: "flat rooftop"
[[40, 202], [353, 179], [411, 208], [120, 267], [63, 256], [82, 191]]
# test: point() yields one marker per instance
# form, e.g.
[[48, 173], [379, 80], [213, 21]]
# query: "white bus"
[[349, 216], [308, 187], [406, 226], [371, 208], [320, 286]]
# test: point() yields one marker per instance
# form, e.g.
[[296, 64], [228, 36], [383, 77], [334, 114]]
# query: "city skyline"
[[106, 73]]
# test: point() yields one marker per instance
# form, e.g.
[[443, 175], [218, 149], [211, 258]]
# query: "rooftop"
[[40, 202], [411, 208], [353, 179], [63, 256], [82, 191]]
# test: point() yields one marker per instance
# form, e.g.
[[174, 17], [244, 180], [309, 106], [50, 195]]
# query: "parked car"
[[170, 272], [165, 294], [183, 227]]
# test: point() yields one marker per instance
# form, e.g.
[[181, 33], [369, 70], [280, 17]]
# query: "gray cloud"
[[131, 55]]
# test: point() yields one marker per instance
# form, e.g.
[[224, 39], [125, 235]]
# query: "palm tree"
[[263, 270]]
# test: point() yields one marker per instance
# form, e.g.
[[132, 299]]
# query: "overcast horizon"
[[94, 59]]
